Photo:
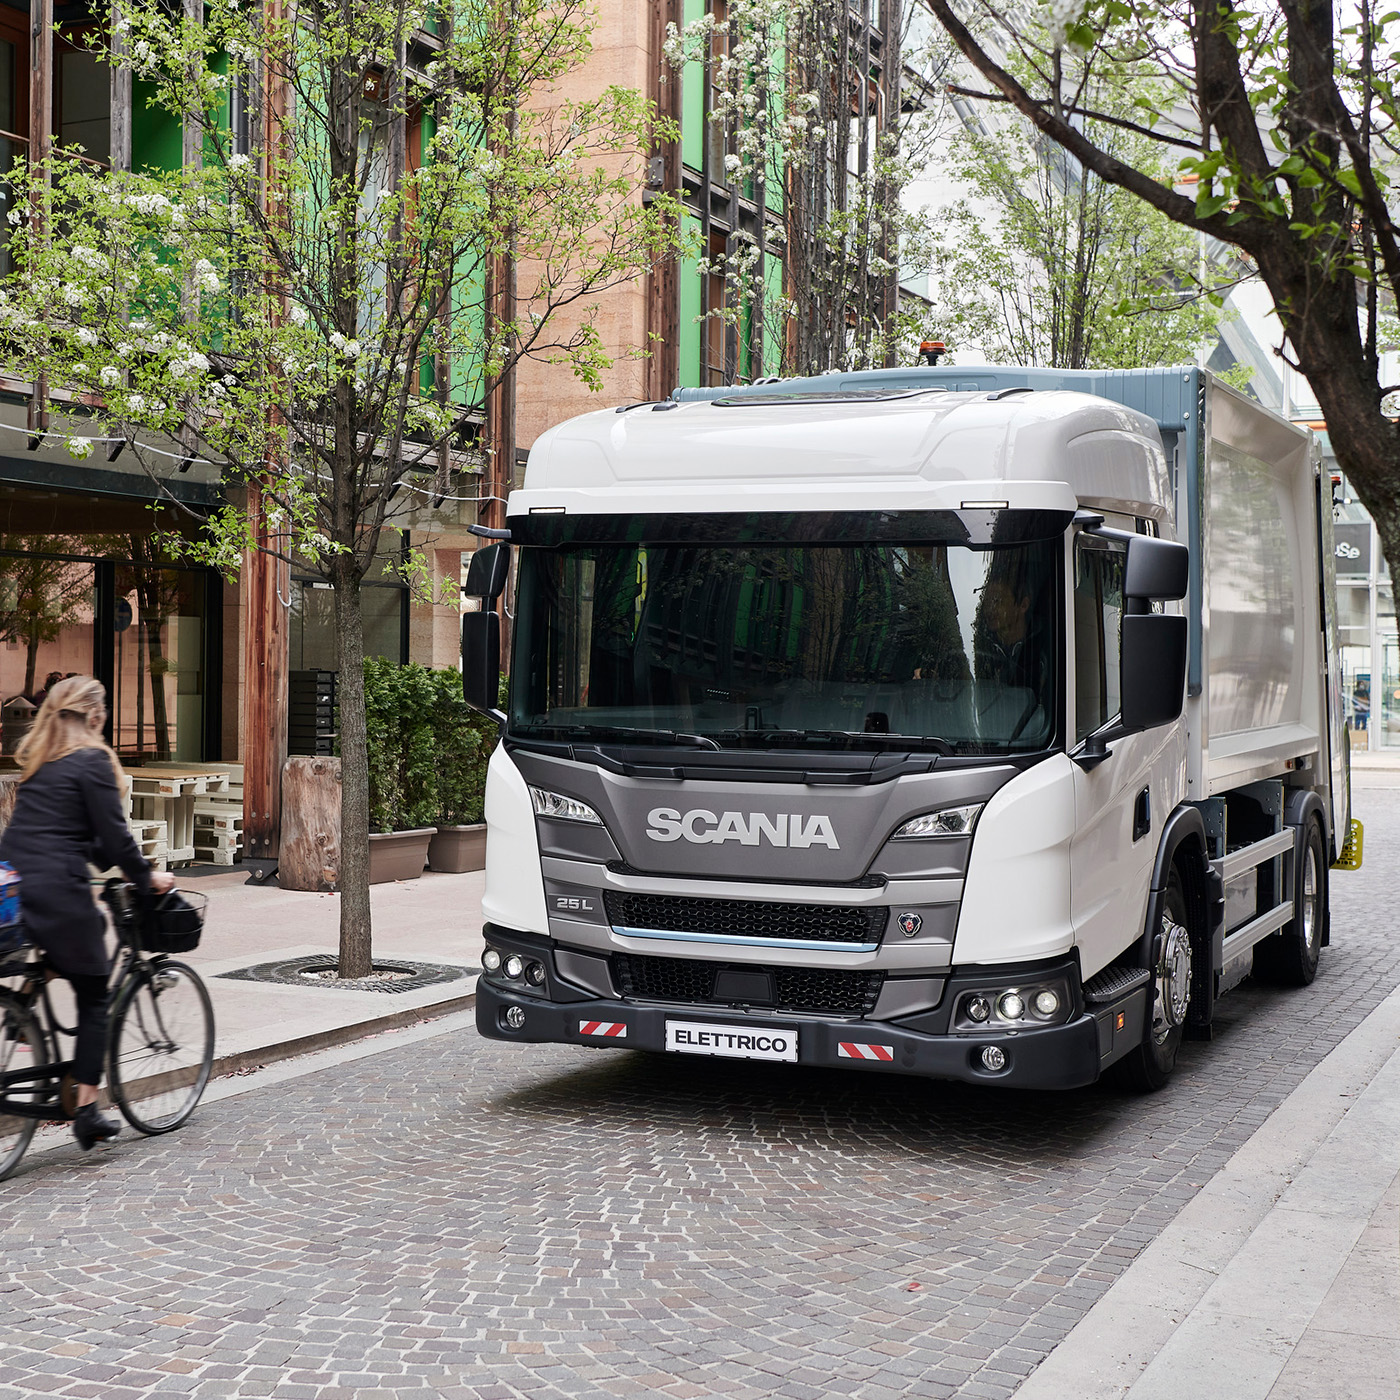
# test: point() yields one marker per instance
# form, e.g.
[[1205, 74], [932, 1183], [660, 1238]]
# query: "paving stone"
[[463, 1220]]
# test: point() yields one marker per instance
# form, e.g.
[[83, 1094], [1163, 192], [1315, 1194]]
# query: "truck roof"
[[921, 448]]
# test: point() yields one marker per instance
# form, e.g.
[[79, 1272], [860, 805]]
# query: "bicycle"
[[160, 1039]]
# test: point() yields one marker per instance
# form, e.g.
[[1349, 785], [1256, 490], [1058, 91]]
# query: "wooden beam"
[[120, 93], [266, 579], [40, 147], [663, 281]]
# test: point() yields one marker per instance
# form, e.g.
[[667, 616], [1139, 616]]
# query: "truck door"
[[1119, 802]]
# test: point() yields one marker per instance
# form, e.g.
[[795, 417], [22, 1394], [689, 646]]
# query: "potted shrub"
[[399, 713], [463, 740]]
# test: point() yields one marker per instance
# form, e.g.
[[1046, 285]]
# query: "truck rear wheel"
[[1147, 1067], [1291, 955]]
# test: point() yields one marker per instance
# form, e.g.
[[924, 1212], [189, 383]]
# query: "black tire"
[[161, 1046], [1290, 956], [1148, 1066], [22, 1046]]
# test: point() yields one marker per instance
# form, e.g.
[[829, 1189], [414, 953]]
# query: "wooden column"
[[266, 582], [120, 93], [266, 579], [40, 146], [663, 281]]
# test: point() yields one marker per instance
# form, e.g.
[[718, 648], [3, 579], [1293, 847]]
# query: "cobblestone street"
[[462, 1218]]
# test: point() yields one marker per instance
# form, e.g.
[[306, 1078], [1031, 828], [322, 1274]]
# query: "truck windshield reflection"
[[931, 646]]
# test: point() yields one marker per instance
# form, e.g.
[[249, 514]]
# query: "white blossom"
[[86, 335], [298, 315], [80, 448], [205, 276], [110, 376], [238, 162]]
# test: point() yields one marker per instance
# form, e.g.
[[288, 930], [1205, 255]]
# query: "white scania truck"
[[974, 723]]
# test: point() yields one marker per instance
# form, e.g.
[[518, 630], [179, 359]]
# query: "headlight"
[[951, 821], [1025, 1006], [569, 809]]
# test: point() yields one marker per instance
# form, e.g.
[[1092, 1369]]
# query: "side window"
[[1098, 625]]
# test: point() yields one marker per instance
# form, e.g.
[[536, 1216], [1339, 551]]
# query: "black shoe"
[[90, 1127]]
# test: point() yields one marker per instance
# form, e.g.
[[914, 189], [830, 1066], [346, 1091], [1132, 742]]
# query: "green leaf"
[[1208, 205]]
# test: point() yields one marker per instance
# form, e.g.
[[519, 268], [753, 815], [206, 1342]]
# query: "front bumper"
[[1053, 1057]]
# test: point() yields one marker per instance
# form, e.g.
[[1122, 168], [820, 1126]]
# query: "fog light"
[[1012, 1007], [534, 974], [993, 1056], [978, 1008], [490, 960], [515, 1019], [1047, 1003], [515, 965]]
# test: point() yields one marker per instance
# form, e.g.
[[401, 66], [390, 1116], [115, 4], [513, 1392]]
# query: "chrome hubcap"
[[1310, 920], [1173, 979]]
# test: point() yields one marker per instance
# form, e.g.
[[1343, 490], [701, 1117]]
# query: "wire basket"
[[173, 922]]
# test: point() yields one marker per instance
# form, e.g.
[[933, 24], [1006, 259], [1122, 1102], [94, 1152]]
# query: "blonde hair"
[[64, 724]]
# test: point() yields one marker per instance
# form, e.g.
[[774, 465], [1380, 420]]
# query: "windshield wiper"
[[650, 736], [852, 738]]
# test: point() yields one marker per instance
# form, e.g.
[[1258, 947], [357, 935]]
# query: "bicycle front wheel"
[[22, 1050], [160, 1046]]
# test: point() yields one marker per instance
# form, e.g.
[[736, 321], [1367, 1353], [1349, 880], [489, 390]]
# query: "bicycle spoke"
[[21, 1049], [161, 1047]]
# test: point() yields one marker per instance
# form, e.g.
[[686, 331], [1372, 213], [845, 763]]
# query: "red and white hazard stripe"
[[853, 1050], [616, 1030]]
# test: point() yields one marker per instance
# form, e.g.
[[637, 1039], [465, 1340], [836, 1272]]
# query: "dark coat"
[[67, 814]]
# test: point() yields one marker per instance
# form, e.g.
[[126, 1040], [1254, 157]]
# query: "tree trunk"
[[355, 930]]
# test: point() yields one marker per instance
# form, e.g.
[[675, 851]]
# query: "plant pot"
[[454, 849], [398, 855]]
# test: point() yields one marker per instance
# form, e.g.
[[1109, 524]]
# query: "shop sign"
[[1353, 548]]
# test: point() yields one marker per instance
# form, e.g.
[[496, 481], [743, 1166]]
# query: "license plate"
[[732, 1042]]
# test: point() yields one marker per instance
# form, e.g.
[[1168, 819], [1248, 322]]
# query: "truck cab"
[[851, 723]]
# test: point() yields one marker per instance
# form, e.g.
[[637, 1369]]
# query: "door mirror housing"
[[487, 572], [481, 661], [1156, 569], [1153, 669]]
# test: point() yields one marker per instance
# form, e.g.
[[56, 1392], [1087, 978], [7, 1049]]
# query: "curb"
[[260, 1056]]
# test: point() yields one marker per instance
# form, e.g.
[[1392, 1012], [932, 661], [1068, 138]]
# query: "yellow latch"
[[1350, 858]]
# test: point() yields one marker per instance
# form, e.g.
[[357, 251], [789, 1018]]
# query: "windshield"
[[942, 647]]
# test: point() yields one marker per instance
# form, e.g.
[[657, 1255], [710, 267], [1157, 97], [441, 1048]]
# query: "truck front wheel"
[[1150, 1064]]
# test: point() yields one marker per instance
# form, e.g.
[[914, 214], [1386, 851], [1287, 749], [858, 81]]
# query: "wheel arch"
[[1183, 846]]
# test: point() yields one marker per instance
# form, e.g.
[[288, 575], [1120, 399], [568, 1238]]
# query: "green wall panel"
[[689, 329]]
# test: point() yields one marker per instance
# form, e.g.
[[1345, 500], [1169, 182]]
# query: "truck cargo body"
[[970, 723]]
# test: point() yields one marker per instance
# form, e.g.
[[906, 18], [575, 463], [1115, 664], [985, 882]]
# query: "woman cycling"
[[68, 811]]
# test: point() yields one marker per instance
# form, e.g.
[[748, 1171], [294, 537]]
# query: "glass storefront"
[[84, 589], [1370, 652], [384, 607]]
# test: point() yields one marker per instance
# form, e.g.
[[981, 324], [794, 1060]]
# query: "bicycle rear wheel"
[[22, 1048], [160, 1046]]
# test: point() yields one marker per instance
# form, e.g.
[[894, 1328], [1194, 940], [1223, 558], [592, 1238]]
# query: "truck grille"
[[746, 918], [692, 980]]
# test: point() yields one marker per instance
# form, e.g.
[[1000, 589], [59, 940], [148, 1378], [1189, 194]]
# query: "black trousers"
[[91, 1049]]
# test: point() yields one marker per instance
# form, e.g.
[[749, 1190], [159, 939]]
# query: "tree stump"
[[310, 854]]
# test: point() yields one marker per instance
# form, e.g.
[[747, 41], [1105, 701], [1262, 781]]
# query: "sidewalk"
[[436, 918], [1279, 1280]]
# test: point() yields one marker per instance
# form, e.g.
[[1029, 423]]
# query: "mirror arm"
[[1095, 749]]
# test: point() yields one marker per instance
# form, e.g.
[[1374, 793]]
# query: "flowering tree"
[[1041, 262], [1278, 123], [812, 130], [313, 302]]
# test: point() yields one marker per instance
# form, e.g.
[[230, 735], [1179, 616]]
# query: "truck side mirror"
[[1156, 569], [487, 572], [1153, 668], [481, 660]]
